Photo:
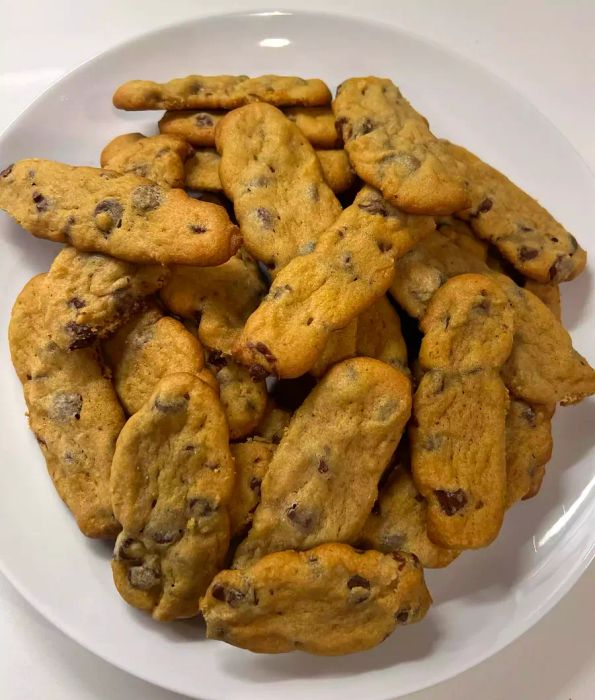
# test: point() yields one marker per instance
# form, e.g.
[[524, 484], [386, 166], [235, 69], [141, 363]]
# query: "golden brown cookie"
[[460, 233], [90, 295], [158, 158], [220, 298], [172, 478], [221, 92], [528, 448], [323, 478], [273, 423], [73, 412], [252, 459], [271, 173], [340, 345], [125, 216], [543, 367], [198, 127], [392, 148], [351, 266], [146, 349], [457, 435], [399, 522], [329, 600], [379, 335], [525, 233]]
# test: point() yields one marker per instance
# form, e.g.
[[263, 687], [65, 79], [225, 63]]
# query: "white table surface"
[[544, 48]]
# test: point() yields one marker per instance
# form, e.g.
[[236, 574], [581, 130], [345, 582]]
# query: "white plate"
[[485, 599]]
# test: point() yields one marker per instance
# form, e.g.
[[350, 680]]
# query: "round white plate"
[[485, 599]]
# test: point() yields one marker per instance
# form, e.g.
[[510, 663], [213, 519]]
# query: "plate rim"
[[580, 564]]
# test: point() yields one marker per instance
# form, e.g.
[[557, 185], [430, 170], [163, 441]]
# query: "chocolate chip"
[[190, 448], [195, 87], [376, 207], [144, 577], [343, 126], [524, 228], [164, 536], [392, 541], [217, 359], [358, 582], [402, 616], [530, 416], [404, 161], [484, 206], [400, 559], [82, 335], [483, 306], [255, 485], [41, 203], [171, 406], [76, 303], [66, 406], [384, 247], [265, 218], [201, 508], [203, 119], [322, 466], [68, 224], [560, 269], [302, 519], [451, 502], [231, 596], [6, 172], [278, 292], [264, 351], [108, 215], [257, 373], [146, 198], [198, 228], [527, 253], [365, 127]]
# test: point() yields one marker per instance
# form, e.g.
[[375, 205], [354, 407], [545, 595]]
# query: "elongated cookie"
[[543, 367], [458, 450], [525, 233], [172, 477], [426, 267], [392, 148], [202, 170], [399, 522], [243, 398], [549, 294], [252, 459], [221, 92], [158, 158], [73, 412], [528, 448], [90, 295], [323, 478], [379, 335], [198, 127], [125, 216], [272, 175], [150, 346], [329, 600], [220, 298], [351, 266]]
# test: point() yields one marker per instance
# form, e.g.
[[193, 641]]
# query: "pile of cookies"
[[292, 353]]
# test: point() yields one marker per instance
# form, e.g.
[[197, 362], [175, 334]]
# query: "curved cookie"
[[379, 335], [126, 216], [172, 477], [221, 298], [73, 412], [329, 600], [198, 128], [399, 522], [323, 478], [272, 175], [158, 158], [149, 347], [221, 92], [525, 233], [351, 266], [243, 398], [90, 295], [252, 460], [528, 448], [202, 170], [459, 410], [392, 148]]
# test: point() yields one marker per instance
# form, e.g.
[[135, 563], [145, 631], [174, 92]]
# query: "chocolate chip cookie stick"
[[351, 266], [125, 216]]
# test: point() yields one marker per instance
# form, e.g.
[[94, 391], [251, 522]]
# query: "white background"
[[544, 48]]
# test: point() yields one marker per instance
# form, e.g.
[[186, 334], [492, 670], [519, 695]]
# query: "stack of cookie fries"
[[291, 354]]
